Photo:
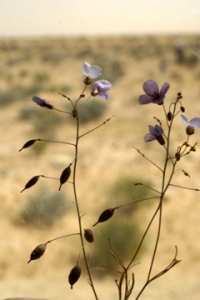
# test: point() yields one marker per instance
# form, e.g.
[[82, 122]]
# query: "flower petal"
[[86, 68], [91, 71], [151, 88], [145, 99], [148, 138], [104, 95], [185, 119], [195, 122], [95, 71], [164, 88]]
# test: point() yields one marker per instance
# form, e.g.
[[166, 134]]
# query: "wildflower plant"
[[163, 133]]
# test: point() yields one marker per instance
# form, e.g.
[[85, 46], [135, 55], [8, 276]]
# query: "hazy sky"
[[83, 17]]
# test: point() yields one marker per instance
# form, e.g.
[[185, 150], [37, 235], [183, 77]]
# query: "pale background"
[[83, 17]]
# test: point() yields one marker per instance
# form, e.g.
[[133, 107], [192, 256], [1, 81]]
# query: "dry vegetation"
[[45, 68]]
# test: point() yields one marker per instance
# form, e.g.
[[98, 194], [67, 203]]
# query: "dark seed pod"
[[182, 108], [177, 156], [74, 275], [28, 144], [106, 214], [169, 116], [89, 235], [37, 252], [65, 175], [31, 182]]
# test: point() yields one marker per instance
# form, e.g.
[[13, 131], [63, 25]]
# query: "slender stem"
[[77, 206], [96, 127], [164, 187], [61, 237], [51, 141]]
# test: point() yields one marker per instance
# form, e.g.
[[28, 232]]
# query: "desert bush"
[[43, 208], [18, 92], [124, 191], [124, 237], [41, 120], [91, 110]]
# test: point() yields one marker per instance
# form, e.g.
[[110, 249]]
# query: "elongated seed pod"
[[31, 182], [74, 275], [28, 144], [65, 176], [89, 235], [105, 215], [37, 252]]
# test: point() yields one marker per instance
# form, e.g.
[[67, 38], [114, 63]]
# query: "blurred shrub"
[[53, 58], [124, 235], [43, 208], [124, 191], [91, 110], [40, 77], [42, 119], [18, 92]]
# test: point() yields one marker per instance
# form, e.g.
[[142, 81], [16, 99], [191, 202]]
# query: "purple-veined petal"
[[185, 119], [151, 88], [145, 99], [91, 71], [95, 72], [102, 85], [195, 122], [104, 95], [148, 138], [164, 88], [155, 130]]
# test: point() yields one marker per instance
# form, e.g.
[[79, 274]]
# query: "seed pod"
[[31, 182], [74, 275], [28, 144], [169, 116], [182, 108], [106, 214], [65, 176], [89, 235], [37, 252]]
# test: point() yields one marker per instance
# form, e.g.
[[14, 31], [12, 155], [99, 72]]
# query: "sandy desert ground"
[[46, 67]]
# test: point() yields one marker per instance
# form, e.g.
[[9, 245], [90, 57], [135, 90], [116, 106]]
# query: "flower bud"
[[87, 80], [189, 130], [177, 156]]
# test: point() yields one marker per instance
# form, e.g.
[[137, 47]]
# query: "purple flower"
[[155, 133], [91, 71], [101, 88], [153, 95], [191, 125], [42, 102]]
